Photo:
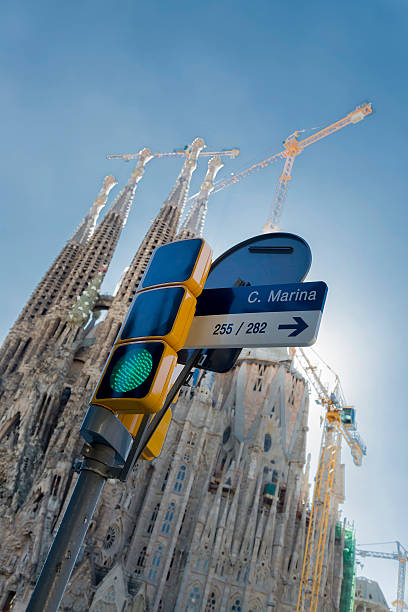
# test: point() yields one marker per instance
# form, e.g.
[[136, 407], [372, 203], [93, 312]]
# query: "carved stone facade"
[[218, 521], [369, 596]]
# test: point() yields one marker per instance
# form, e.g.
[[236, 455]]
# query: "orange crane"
[[339, 423], [231, 153], [292, 148]]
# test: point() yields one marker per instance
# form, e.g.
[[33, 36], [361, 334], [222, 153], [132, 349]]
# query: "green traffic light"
[[131, 371]]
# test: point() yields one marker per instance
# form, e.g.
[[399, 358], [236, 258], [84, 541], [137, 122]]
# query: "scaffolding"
[[348, 585]]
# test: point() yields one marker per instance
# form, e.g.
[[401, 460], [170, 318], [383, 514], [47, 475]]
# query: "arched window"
[[153, 518], [193, 600], [192, 439], [155, 562], [259, 575], [61, 331], [141, 561], [211, 604], [258, 381], [226, 435], [55, 485], [66, 394], [220, 567], [24, 349], [236, 605], [157, 556], [165, 479], [42, 410], [51, 415], [180, 479], [168, 518]]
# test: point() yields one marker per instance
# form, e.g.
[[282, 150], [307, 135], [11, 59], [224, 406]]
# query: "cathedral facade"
[[218, 521]]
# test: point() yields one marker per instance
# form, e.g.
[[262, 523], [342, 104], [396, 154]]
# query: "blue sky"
[[83, 79]]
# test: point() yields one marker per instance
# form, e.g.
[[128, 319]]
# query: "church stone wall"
[[217, 522]]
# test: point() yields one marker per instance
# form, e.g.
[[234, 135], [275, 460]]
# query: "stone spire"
[[163, 228], [193, 224], [124, 200], [86, 256], [48, 289], [101, 246], [178, 195], [88, 223]]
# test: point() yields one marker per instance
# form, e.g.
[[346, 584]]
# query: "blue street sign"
[[271, 315], [262, 260]]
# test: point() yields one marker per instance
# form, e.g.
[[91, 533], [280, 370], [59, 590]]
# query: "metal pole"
[[62, 556], [146, 429], [99, 424]]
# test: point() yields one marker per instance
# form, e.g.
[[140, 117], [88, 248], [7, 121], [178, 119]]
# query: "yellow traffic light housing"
[[137, 375], [153, 448]]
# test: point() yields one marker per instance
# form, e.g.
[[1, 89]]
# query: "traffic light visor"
[[164, 312], [184, 262]]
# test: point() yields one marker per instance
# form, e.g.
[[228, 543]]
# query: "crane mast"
[[293, 147], [334, 430]]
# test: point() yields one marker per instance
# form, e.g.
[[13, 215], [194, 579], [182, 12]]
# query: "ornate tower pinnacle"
[[87, 226], [163, 228], [193, 224], [178, 195], [101, 246], [124, 200]]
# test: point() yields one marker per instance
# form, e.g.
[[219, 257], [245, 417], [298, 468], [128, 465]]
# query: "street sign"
[[267, 315], [262, 260]]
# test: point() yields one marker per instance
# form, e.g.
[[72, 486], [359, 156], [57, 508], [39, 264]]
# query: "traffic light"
[[137, 374]]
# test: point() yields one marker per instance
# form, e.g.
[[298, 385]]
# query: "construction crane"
[[231, 153], [292, 148], [401, 556], [339, 423]]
